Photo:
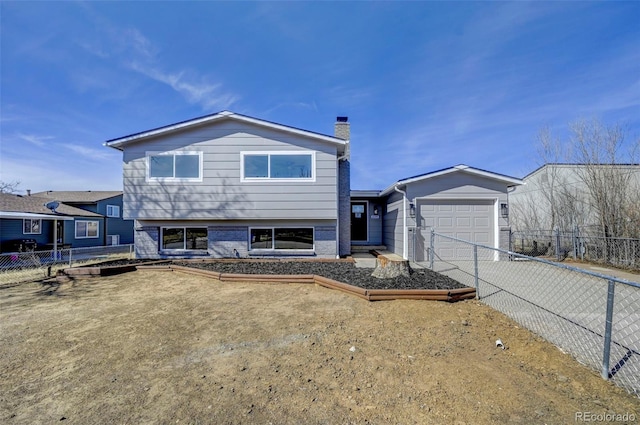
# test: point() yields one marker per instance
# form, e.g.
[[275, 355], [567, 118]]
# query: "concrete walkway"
[[364, 260], [621, 274]]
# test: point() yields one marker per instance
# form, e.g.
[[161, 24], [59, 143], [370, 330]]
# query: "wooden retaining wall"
[[450, 295]]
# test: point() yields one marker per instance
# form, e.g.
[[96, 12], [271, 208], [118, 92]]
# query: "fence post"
[[70, 251], [475, 268], [557, 237], [607, 332], [432, 247], [130, 251]]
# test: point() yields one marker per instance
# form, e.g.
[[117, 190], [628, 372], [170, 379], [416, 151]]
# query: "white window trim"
[[31, 227], [184, 241], [75, 229], [117, 237], [273, 239], [149, 154], [117, 208], [244, 179]]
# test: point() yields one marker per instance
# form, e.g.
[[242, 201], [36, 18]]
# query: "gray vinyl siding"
[[230, 239], [221, 194], [458, 186], [392, 227]]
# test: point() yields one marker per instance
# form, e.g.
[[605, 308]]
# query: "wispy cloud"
[[291, 105], [39, 141], [90, 153], [129, 47], [195, 89]]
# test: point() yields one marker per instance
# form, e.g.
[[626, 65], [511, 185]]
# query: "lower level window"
[[86, 229], [281, 238], [184, 238]]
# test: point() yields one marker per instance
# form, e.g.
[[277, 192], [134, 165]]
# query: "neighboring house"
[[25, 223], [229, 185], [114, 229], [80, 219], [464, 202], [556, 196]]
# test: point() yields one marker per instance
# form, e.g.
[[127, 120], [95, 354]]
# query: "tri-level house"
[[230, 185]]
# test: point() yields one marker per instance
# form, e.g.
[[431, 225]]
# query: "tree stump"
[[390, 266]]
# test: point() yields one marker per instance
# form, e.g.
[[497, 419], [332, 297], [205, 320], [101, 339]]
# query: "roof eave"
[[120, 142], [510, 181]]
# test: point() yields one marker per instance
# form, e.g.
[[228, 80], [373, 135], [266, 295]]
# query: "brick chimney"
[[342, 130]]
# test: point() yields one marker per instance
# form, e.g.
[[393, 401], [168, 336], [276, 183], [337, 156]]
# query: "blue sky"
[[426, 85]]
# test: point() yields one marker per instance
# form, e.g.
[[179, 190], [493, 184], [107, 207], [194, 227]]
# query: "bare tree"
[[607, 173], [591, 178], [559, 197], [9, 187]]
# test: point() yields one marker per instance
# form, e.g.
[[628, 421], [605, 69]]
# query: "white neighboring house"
[[563, 186]]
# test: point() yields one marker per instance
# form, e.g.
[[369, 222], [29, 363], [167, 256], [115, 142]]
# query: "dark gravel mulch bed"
[[341, 271]]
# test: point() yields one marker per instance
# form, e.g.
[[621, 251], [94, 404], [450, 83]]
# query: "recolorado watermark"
[[605, 417]]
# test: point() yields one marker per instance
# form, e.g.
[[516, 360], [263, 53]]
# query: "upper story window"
[[32, 226], [113, 211], [174, 166], [290, 166]]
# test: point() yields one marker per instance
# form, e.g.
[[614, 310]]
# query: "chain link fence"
[[595, 318], [18, 267], [619, 252]]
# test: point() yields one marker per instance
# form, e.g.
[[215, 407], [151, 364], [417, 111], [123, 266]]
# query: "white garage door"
[[470, 220]]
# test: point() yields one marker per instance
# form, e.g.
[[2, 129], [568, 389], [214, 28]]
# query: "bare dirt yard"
[[170, 348]]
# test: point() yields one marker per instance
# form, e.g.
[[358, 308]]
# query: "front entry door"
[[359, 221]]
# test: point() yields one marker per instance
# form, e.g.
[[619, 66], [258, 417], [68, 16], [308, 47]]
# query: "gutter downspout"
[[405, 242]]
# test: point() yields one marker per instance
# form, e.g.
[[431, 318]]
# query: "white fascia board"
[[117, 143], [464, 168], [22, 215]]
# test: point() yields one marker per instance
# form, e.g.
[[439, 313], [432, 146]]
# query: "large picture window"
[[184, 238], [178, 166], [86, 229], [278, 166], [32, 226], [281, 238]]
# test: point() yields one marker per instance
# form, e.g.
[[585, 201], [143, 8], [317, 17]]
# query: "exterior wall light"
[[504, 210], [412, 209]]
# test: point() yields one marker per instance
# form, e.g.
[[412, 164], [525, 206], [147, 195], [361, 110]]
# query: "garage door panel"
[[464, 235], [463, 222], [482, 238], [445, 221], [481, 222], [471, 220]]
